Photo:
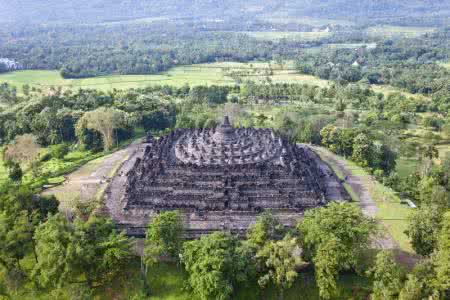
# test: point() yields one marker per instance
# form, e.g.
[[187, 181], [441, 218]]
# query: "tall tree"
[[56, 256], [326, 262], [90, 252], [105, 121], [102, 252], [441, 259], [24, 149], [215, 263], [281, 260], [266, 228], [423, 227], [334, 237], [386, 277], [163, 237]]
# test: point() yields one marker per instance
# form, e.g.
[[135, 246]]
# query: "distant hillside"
[[91, 11]]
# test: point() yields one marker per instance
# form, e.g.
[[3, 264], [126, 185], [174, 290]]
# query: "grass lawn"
[[390, 212], [167, 282], [391, 31], [406, 166]]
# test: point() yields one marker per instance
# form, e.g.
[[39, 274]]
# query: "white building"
[[10, 64]]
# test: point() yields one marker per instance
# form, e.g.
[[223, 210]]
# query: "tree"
[[338, 140], [90, 251], [59, 151], [423, 226], [88, 138], [102, 253], [334, 237], [16, 234], [56, 256], [326, 263], [163, 237], [386, 277], [441, 258], [15, 172], [20, 212], [362, 150], [266, 228], [343, 221], [281, 261], [215, 263], [105, 121], [429, 151], [419, 283], [23, 150]]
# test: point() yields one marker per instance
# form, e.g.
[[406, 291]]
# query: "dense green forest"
[[406, 63]]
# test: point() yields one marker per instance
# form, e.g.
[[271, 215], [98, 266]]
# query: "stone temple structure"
[[220, 179]]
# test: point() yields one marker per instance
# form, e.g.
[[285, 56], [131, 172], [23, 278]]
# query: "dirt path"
[[87, 182], [358, 184]]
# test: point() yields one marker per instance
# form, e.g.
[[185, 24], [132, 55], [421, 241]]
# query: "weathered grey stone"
[[235, 174]]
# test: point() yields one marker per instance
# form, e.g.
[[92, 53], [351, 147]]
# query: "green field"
[[445, 64], [219, 73], [350, 45], [289, 35], [201, 74], [388, 89], [284, 18], [392, 31]]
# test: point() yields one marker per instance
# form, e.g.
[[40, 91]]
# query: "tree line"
[[407, 63]]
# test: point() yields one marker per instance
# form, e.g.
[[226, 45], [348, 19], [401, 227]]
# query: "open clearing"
[[288, 35], [200, 74], [392, 31], [445, 64], [220, 73], [284, 18], [88, 182], [388, 89]]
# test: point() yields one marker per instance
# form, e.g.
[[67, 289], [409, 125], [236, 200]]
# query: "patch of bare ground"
[[89, 182]]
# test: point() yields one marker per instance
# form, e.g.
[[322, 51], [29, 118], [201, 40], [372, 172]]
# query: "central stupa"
[[219, 178]]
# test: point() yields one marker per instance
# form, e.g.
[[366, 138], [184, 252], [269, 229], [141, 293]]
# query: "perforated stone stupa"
[[219, 178]]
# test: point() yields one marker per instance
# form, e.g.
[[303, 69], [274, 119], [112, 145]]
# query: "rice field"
[[388, 89], [284, 18], [290, 35], [200, 74], [387, 31]]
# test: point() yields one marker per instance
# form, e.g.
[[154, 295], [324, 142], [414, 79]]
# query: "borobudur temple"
[[219, 179]]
